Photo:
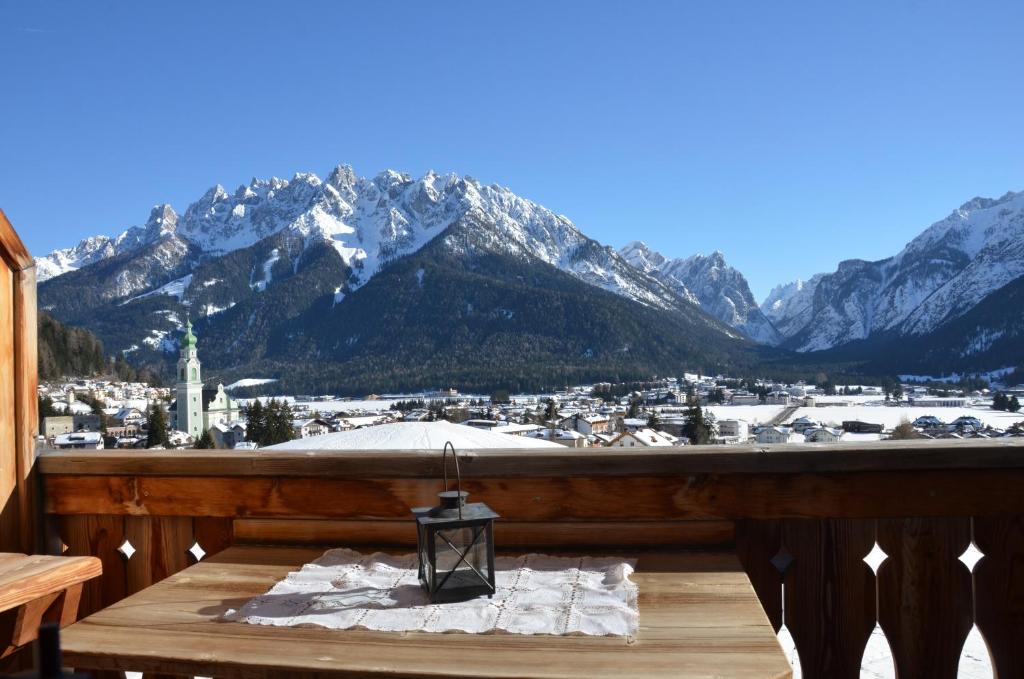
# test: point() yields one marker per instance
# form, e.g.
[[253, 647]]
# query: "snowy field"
[[890, 417], [752, 414], [379, 405], [325, 407]]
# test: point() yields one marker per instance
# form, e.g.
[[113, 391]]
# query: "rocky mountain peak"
[[719, 289], [941, 274]]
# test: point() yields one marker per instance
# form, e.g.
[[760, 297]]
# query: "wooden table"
[[36, 589], [699, 617]]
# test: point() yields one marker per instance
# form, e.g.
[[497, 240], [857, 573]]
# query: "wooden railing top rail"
[[977, 454]]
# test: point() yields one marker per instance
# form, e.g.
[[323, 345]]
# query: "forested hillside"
[[64, 350]]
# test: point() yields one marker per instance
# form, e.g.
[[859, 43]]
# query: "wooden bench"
[[38, 589], [699, 617]]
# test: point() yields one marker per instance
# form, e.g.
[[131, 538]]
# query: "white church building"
[[197, 409]]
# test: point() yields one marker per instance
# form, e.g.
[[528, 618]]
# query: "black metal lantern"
[[455, 543]]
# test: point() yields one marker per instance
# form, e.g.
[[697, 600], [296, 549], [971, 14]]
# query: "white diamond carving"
[[971, 556], [126, 549], [196, 551], [875, 558]]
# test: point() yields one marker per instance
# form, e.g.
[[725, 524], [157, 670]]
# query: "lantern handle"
[[458, 474]]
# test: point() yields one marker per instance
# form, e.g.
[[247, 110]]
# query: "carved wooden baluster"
[[830, 593], [999, 591], [757, 543], [924, 594], [99, 536]]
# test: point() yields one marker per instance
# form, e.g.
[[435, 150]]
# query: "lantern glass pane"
[[448, 559]]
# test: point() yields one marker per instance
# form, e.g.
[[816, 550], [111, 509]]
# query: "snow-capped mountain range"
[[940, 275], [718, 288], [368, 222], [271, 229]]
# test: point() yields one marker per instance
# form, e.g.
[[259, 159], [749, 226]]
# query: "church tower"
[[190, 387]]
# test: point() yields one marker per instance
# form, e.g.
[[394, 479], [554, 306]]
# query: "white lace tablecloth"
[[536, 594]]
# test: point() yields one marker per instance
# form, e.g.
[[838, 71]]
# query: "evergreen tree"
[[551, 411], [653, 420], [205, 441], [256, 425], [1014, 405], [270, 424], [157, 435], [999, 401], [698, 428], [634, 408]]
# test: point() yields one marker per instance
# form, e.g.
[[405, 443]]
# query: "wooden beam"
[[10, 529], [26, 407], [697, 496], [12, 251], [1004, 453]]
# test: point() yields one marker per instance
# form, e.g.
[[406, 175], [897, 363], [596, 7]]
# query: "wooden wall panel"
[[99, 536], [999, 592], [213, 533], [162, 544], [925, 597], [830, 594]]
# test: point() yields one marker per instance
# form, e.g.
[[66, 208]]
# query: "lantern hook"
[[458, 474]]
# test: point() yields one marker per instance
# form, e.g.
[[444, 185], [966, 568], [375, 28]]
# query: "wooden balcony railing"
[[802, 519]]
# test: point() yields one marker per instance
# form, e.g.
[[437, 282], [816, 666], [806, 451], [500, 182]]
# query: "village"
[[98, 414]]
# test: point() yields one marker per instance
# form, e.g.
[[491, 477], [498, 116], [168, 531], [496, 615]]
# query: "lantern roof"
[[471, 511]]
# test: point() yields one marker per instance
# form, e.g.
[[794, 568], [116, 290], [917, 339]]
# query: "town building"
[[642, 438], [778, 398], [85, 440], [801, 424], [777, 435], [313, 427], [55, 425], [587, 423], [744, 398], [858, 427], [733, 429], [822, 435], [196, 408]]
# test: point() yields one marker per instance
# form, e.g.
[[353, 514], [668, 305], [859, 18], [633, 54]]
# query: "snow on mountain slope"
[[370, 222], [940, 275], [69, 259], [789, 304], [719, 289]]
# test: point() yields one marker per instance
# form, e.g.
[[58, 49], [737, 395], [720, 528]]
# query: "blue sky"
[[788, 135]]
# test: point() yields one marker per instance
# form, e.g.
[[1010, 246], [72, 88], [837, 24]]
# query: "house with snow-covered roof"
[[822, 435], [642, 438], [587, 423], [778, 435]]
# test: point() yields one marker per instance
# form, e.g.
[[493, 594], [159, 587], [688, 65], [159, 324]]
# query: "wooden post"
[[18, 405], [26, 409]]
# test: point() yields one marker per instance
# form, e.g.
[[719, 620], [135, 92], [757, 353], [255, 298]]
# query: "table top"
[[699, 617], [26, 578]]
